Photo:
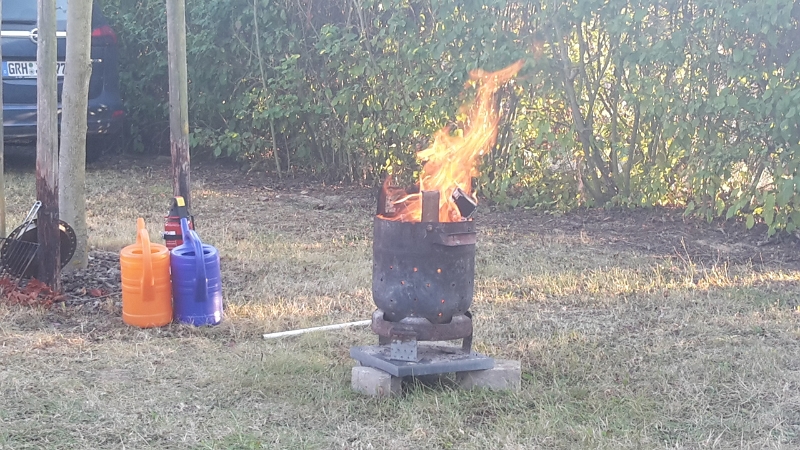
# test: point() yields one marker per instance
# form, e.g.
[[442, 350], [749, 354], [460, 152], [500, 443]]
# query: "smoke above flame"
[[451, 162]]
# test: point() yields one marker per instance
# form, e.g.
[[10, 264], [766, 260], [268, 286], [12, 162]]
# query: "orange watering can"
[[146, 285]]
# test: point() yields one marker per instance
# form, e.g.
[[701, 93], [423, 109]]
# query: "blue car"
[[19, 40]]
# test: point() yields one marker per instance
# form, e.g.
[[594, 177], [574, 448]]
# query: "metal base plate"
[[432, 359]]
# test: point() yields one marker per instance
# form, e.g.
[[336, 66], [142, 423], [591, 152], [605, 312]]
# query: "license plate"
[[26, 69]]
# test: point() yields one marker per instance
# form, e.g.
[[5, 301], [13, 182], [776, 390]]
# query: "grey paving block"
[[375, 382], [505, 375]]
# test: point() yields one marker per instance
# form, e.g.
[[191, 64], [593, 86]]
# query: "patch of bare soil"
[[663, 232], [95, 284]]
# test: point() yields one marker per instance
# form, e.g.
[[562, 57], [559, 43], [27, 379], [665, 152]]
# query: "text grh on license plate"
[[26, 69]]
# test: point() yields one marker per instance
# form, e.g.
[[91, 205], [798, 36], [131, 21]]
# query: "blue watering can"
[[196, 280]]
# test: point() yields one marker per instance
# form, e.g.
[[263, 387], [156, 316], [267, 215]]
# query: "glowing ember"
[[451, 161]]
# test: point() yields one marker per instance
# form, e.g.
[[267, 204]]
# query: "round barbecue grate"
[[28, 233]]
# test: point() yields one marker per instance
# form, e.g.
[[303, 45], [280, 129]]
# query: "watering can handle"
[[200, 264], [143, 239]]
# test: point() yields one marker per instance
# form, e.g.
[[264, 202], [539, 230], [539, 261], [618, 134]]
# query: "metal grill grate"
[[16, 257]]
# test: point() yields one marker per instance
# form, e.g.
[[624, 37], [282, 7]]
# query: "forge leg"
[[466, 344]]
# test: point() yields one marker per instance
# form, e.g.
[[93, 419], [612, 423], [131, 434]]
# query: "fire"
[[451, 161]]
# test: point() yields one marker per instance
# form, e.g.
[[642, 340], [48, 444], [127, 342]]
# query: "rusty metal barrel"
[[423, 269]]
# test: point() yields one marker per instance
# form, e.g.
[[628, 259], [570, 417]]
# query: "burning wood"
[[451, 161], [430, 206], [466, 205]]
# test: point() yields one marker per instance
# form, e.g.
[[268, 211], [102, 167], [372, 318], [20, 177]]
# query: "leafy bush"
[[622, 102]]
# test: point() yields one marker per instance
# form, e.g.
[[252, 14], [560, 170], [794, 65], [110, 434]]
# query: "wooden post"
[[49, 253], [178, 99], [74, 101]]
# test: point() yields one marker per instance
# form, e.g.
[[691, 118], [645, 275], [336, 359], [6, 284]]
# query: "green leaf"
[[769, 209], [731, 211], [785, 193], [719, 206], [750, 221]]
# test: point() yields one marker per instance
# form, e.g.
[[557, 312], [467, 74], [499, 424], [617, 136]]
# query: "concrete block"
[[375, 382], [505, 375]]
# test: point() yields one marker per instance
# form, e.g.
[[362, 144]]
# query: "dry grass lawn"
[[635, 330]]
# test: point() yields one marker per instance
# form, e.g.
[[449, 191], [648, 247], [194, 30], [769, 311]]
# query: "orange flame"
[[451, 161]]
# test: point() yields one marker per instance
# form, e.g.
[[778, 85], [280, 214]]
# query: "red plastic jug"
[[146, 285]]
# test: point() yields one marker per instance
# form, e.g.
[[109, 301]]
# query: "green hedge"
[[621, 102]]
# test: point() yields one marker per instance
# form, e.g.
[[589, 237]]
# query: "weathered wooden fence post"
[[49, 253], [74, 102], [178, 99]]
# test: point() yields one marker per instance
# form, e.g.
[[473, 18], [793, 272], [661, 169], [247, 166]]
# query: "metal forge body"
[[422, 283]]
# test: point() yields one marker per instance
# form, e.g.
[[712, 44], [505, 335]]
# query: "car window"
[[25, 10]]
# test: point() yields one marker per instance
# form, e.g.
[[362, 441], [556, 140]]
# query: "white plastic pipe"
[[338, 326]]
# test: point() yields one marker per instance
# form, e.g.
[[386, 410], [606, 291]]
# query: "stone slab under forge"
[[431, 359]]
